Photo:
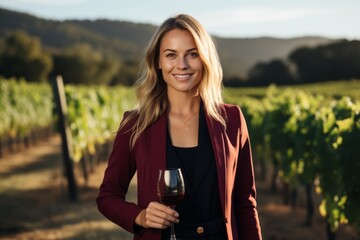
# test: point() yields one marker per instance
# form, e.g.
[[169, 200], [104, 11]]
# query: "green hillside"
[[127, 40]]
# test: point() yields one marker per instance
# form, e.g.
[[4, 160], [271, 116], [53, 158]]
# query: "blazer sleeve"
[[246, 215], [118, 174]]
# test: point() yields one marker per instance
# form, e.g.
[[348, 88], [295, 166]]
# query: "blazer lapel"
[[217, 136], [157, 145], [204, 155]]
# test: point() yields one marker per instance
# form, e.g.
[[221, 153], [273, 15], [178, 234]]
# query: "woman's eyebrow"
[[191, 49], [172, 50]]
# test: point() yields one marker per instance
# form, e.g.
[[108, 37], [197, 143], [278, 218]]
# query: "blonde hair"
[[151, 88]]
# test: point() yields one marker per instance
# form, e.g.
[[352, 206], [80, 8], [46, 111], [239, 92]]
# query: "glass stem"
[[172, 236]]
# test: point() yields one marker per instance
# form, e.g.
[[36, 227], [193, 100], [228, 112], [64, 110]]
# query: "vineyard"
[[26, 112], [304, 137], [309, 140]]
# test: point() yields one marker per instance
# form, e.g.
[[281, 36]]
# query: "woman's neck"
[[183, 104]]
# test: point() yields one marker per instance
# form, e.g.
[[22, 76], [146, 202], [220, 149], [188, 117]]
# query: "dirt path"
[[34, 205]]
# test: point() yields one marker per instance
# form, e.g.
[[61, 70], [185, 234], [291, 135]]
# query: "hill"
[[127, 40]]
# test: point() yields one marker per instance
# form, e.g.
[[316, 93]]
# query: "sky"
[[225, 18]]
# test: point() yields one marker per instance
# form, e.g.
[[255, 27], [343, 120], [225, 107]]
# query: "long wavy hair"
[[151, 89]]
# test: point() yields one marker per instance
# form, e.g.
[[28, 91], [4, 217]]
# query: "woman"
[[181, 121]]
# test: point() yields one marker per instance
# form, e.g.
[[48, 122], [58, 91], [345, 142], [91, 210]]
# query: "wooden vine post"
[[66, 139]]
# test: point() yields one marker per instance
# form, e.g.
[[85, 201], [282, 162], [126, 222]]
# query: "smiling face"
[[180, 62]]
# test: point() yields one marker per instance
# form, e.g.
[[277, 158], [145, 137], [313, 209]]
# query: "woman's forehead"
[[177, 39]]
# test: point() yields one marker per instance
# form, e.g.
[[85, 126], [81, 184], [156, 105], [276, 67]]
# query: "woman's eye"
[[193, 54], [170, 55]]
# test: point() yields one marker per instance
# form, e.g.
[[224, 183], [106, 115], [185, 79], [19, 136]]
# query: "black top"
[[202, 200]]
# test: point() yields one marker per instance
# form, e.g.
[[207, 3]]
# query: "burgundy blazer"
[[233, 157]]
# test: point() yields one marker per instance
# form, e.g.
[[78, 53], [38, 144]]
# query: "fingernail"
[[177, 220], [176, 214]]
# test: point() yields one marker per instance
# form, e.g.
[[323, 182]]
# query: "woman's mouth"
[[182, 76]]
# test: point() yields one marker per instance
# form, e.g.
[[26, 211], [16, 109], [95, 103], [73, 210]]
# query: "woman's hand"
[[157, 215]]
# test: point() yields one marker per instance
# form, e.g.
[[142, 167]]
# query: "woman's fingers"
[[160, 216]]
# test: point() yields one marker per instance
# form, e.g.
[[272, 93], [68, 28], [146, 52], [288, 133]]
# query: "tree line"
[[335, 61], [22, 56]]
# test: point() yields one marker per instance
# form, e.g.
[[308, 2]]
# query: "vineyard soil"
[[34, 205]]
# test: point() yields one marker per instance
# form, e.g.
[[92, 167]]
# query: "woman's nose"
[[183, 63]]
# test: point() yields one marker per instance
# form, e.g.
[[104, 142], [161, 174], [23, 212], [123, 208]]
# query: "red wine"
[[172, 200]]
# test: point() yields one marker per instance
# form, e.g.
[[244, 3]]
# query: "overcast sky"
[[227, 18]]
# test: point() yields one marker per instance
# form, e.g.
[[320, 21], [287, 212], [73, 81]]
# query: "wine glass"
[[171, 190]]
